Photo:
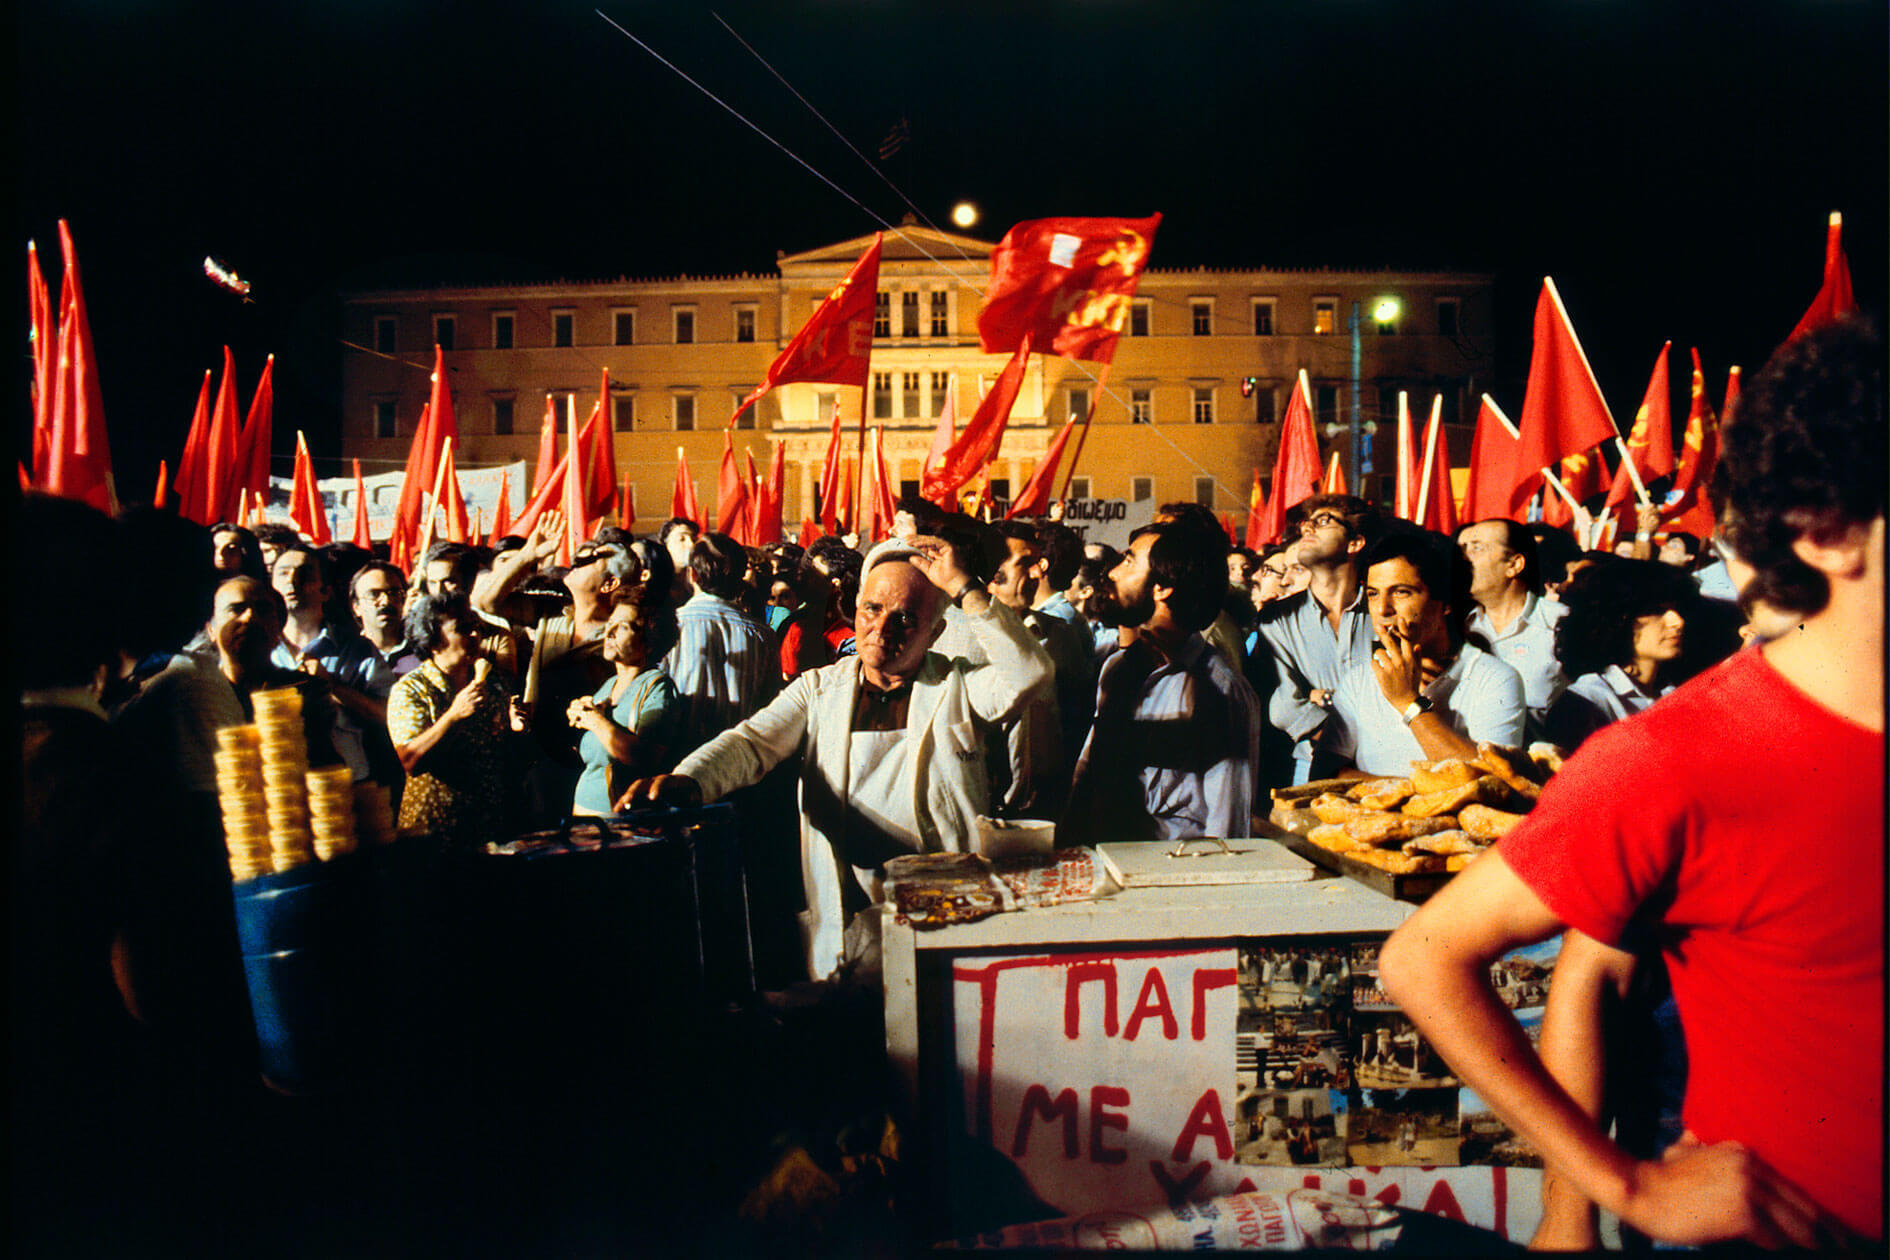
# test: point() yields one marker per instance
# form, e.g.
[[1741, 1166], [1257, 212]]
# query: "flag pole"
[[1634, 474], [1548, 475], [433, 501], [1580, 353], [1102, 385], [1430, 457]]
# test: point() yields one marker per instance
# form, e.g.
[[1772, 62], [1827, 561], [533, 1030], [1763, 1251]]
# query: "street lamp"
[[1384, 310]]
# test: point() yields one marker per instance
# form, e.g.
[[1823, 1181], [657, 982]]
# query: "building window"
[[503, 325], [1079, 488], [501, 416], [1448, 311], [909, 313], [444, 327], [1138, 318], [909, 393], [683, 319], [823, 406], [746, 420], [1263, 317], [564, 328], [384, 426], [1204, 492], [882, 314], [685, 412], [882, 396], [384, 333], [1265, 404], [1325, 316], [1201, 317], [623, 328], [1141, 489], [1326, 404], [1079, 403], [941, 385], [623, 413], [1388, 404], [941, 323], [744, 323], [1204, 405], [1141, 406]]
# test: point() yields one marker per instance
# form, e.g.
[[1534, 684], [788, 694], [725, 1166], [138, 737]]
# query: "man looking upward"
[[1511, 615]]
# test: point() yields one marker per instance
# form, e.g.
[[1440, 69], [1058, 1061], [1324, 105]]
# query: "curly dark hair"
[[1605, 600], [658, 617], [429, 615], [1191, 560], [1802, 455]]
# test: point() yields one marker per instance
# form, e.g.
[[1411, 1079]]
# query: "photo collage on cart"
[[1329, 1073]]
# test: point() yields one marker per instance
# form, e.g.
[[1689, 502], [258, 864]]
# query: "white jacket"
[[953, 704]]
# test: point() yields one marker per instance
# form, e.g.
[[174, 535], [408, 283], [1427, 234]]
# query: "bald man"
[[891, 743]]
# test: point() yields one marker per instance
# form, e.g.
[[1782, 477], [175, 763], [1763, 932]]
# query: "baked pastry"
[[1332, 808], [1391, 794], [1298, 793], [1513, 767], [1457, 861], [1547, 756], [1330, 836], [1481, 820], [1485, 790], [1397, 863], [1441, 776], [1446, 843], [1376, 829]]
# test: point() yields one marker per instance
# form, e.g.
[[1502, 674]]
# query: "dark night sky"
[[1670, 165]]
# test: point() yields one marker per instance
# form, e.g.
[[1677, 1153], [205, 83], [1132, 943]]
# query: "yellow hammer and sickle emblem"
[[1127, 253]]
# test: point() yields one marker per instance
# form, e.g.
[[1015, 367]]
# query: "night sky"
[[1671, 166]]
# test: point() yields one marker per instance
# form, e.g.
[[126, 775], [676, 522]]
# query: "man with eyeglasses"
[[1511, 616], [1318, 635]]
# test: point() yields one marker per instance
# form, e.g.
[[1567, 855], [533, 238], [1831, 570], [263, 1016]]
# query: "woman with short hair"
[[630, 726]]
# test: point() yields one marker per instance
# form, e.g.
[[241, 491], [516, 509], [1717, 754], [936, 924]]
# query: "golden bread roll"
[[1299, 792], [1512, 767], [1457, 861], [1293, 821], [1486, 790], [1396, 863], [1362, 788], [1335, 809], [1446, 843], [1332, 837], [1374, 829], [1441, 776], [1481, 820], [1395, 793], [1547, 756]]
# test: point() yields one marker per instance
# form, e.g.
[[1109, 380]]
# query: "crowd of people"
[[957, 668]]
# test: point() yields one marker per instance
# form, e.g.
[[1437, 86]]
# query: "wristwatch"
[[1420, 705]]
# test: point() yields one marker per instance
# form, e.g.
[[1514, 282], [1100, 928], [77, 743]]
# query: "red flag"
[[942, 438], [835, 345], [363, 537], [1563, 411], [305, 499], [1296, 469], [731, 496], [771, 526], [1650, 442], [78, 457], [457, 528], [191, 471], [221, 472], [809, 532], [1493, 454], [1227, 527], [1580, 475], [1034, 499], [547, 447], [978, 445], [158, 495], [549, 496], [1065, 285], [437, 424], [45, 335], [830, 474], [1256, 513], [1834, 300], [1436, 509], [1699, 452], [876, 512], [757, 504], [682, 501], [1335, 477], [1404, 500], [627, 506], [844, 513], [501, 510], [252, 451], [600, 458], [574, 482]]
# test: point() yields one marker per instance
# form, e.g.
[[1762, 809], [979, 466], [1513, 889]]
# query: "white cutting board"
[[1147, 864]]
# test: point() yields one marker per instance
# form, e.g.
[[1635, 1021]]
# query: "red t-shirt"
[[1753, 820]]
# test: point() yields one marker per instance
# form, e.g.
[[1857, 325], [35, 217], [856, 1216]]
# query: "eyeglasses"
[[1270, 571], [1323, 520]]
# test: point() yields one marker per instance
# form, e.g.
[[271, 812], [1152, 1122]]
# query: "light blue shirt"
[[1311, 656], [355, 663], [1479, 697], [1594, 701], [724, 666], [1528, 647]]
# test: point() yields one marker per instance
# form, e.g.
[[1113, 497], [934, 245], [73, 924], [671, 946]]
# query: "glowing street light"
[[1385, 310], [965, 215]]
